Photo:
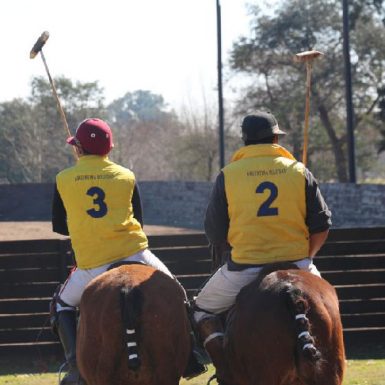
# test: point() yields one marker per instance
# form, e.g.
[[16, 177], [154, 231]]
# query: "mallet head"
[[307, 56], [39, 44]]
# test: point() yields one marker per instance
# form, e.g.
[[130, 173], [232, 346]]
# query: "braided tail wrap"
[[131, 301], [299, 307]]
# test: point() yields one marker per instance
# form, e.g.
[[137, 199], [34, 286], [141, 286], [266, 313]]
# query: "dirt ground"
[[12, 231]]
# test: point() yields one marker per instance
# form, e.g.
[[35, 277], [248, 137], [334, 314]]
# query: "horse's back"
[[263, 336], [163, 335]]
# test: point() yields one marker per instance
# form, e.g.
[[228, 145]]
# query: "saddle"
[[122, 263]]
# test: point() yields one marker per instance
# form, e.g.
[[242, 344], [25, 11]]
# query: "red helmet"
[[94, 136]]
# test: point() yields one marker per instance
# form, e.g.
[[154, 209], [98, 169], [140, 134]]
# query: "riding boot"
[[196, 363], [67, 335], [211, 332]]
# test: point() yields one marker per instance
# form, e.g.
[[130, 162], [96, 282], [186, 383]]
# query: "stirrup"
[[194, 367], [78, 381], [215, 377], [195, 373]]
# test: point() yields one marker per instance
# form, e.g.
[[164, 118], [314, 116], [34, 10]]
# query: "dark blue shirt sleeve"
[[318, 215], [217, 218], [137, 205], [59, 214]]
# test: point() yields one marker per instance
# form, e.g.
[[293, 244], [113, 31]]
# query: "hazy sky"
[[166, 46]]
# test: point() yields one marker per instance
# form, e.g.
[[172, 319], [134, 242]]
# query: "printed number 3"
[[265, 209], [99, 196]]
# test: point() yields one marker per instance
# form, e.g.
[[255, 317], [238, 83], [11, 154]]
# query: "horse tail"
[[299, 307], [131, 306]]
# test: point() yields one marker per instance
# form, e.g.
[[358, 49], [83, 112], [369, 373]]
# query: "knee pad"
[[200, 314], [210, 328]]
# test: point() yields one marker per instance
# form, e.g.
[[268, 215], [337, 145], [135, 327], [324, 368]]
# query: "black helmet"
[[259, 126]]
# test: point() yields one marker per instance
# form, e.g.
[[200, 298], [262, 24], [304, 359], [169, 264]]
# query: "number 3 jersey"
[[97, 195], [265, 191]]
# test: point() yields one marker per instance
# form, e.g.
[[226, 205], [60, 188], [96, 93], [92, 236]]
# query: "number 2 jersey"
[[97, 197], [265, 204]]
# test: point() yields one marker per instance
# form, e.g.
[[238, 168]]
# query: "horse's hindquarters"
[[161, 327], [263, 343]]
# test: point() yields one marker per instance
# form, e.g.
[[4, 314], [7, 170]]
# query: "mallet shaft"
[[59, 106], [307, 57], [38, 47], [307, 113]]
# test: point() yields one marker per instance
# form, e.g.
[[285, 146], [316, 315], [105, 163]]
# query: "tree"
[[149, 138], [79, 101], [144, 130], [381, 116], [196, 151], [32, 135], [278, 84], [19, 157]]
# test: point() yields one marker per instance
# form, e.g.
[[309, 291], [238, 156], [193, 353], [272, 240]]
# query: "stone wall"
[[179, 204], [360, 205], [183, 204], [25, 202]]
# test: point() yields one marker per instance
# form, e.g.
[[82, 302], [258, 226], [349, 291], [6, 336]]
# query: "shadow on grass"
[[363, 350], [30, 364], [39, 363]]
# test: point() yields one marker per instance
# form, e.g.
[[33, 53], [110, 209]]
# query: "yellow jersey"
[[97, 194], [265, 191]]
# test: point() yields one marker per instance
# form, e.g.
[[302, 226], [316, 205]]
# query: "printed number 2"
[[265, 209], [99, 196]]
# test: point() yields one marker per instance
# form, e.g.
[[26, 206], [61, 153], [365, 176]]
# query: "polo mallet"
[[307, 57], [38, 48]]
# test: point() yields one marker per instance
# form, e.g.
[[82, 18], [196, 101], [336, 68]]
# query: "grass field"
[[365, 366], [359, 371]]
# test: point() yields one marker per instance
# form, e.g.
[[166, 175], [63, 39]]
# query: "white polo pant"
[[219, 293], [75, 284]]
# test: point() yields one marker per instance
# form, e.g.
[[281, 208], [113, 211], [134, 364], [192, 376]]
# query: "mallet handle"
[[307, 112], [60, 108]]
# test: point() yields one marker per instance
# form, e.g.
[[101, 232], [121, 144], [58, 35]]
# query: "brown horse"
[[285, 329], [133, 328]]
